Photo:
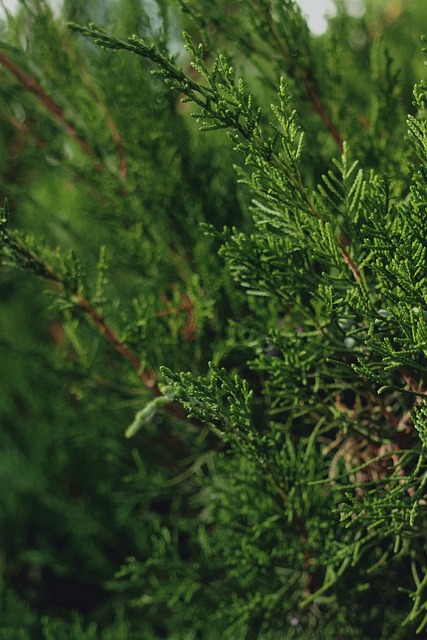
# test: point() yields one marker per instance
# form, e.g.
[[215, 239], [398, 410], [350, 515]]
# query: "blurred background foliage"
[[95, 151]]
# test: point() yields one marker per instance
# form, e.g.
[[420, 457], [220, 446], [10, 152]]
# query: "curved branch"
[[55, 109]]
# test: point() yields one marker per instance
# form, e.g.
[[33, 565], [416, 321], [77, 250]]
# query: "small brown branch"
[[115, 133], [412, 383], [404, 426], [22, 128], [107, 332], [147, 377], [92, 87], [348, 260], [304, 75], [321, 111], [189, 331], [28, 259], [351, 264], [388, 415], [57, 111]]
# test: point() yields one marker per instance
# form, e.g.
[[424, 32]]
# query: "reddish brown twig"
[[57, 111], [31, 85], [107, 332], [321, 111], [28, 259], [22, 128], [304, 75], [147, 377], [115, 133], [350, 264], [404, 427], [189, 331], [412, 383]]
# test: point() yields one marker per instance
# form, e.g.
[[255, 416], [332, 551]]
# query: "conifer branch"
[[296, 183], [118, 140], [303, 74], [22, 128], [53, 107], [30, 261], [405, 425], [226, 112], [316, 389], [110, 336], [147, 377], [321, 111]]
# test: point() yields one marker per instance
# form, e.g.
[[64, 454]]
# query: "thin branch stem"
[[321, 111], [146, 376], [26, 131], [122, 349], [305, 76], [30, 84], [31, 261]]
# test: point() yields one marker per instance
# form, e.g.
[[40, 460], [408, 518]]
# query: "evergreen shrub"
[[213, 322]]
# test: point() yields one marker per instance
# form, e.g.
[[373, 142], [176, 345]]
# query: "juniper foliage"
[[217, 428]]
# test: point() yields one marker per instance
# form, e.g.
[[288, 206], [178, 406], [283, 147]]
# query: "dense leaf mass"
[[213, 328]]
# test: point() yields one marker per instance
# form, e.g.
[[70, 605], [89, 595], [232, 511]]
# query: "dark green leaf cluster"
[[236, 344]]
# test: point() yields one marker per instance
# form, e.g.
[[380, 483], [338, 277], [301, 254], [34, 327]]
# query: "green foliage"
[[214, 424]]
